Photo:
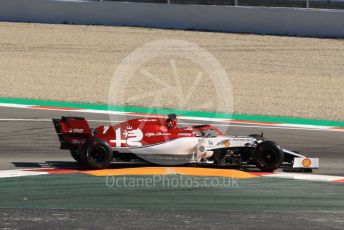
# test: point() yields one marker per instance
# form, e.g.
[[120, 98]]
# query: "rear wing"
[[73, 132]]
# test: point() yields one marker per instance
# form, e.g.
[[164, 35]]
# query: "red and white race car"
[[161, 141]]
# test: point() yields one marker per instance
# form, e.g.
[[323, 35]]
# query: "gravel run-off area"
[[269, 75]]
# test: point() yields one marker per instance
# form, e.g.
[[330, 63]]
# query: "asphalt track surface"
[[32, 141], [28, 140]]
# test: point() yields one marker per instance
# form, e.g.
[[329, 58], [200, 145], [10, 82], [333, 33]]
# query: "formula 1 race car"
[[160, 138]]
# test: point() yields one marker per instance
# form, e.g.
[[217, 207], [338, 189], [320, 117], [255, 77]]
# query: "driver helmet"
[[171, 121]]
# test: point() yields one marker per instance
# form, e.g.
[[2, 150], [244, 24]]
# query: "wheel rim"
[[98, 154], [269, 157]]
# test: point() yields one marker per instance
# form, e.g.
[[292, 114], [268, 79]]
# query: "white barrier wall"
[[279, 21]]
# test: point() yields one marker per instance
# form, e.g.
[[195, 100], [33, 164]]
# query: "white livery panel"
[[304, 162]]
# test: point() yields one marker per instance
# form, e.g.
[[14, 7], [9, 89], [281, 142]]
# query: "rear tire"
[[97, 155], [76, 155], [268, 156]]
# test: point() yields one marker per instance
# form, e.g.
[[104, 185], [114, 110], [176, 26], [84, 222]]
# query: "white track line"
[[311, 128], [19, 173], [25, 119], [305, 176], [229, 123]]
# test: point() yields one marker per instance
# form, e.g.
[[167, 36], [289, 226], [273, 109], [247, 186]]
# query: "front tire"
[[268, 156], [97, 155]]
